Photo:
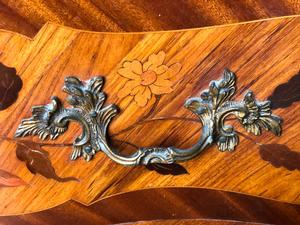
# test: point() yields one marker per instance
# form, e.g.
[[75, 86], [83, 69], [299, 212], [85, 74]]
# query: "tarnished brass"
[[87, 101]]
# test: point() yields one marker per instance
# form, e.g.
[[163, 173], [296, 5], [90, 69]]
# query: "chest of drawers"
[[157, 80]]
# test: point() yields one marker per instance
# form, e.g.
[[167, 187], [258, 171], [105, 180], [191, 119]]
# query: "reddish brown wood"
[[164, 204], [278, 162], [190, 222], [264, 55], [28, 16]]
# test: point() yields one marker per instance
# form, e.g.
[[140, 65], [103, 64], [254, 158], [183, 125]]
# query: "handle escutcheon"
[[87, 101]]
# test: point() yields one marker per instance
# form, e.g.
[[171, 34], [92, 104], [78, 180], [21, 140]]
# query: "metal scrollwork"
[[87, 101]]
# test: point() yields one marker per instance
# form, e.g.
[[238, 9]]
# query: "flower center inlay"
[[148, 77]]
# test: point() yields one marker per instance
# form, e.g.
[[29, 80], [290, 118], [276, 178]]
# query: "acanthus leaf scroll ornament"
[[212, 108]]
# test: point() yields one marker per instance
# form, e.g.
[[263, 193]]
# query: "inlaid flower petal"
[[131, 70], [151, 77], [171, 71], [142, 97], [163, 82], [159, 90], [154, 61], [161, 69], [128, 87]]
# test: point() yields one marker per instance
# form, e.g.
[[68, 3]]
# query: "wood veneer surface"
[[28, 16], [264, 55], [190, 222], [182, 205]]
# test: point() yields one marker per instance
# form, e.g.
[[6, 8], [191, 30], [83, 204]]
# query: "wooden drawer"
[[149, 77]]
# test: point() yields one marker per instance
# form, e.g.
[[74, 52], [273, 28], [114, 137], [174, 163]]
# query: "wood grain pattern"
[[28, 16], [263, 54], [190, 222], [166, 204]]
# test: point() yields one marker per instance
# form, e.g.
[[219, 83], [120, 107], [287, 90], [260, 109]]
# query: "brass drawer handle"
[[87, 100]]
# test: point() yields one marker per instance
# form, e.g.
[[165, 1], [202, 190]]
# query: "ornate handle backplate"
[[87, 101]]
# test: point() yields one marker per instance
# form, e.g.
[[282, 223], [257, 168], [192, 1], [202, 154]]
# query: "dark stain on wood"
[[37, 161], [163, 204], [10, 85], [280, 156], [167, 169], [286, 94]]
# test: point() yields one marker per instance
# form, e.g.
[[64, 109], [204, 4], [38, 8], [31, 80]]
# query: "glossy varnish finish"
[[264, 55], [190, 222], [164, 204], [28, 16]]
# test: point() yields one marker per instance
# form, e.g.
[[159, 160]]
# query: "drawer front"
[[149, 77]]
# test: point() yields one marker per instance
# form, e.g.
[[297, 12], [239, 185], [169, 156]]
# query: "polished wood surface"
[[264, 55], [190, 222], [28, 16], [164, 204]]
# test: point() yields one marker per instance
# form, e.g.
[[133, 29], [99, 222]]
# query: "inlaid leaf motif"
[[167, 169], [279, 155], [286, 94], [38, 162], [8, 179], [10, 85]]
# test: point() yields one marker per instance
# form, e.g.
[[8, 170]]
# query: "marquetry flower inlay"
[[147, 79]]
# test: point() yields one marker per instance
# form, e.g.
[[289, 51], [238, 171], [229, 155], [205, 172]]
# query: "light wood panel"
[[263, 54]]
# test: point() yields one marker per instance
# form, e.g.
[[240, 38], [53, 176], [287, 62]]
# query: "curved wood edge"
[[190, 222], [27, 17], [164, 204], [101, 182], [65, 27]]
